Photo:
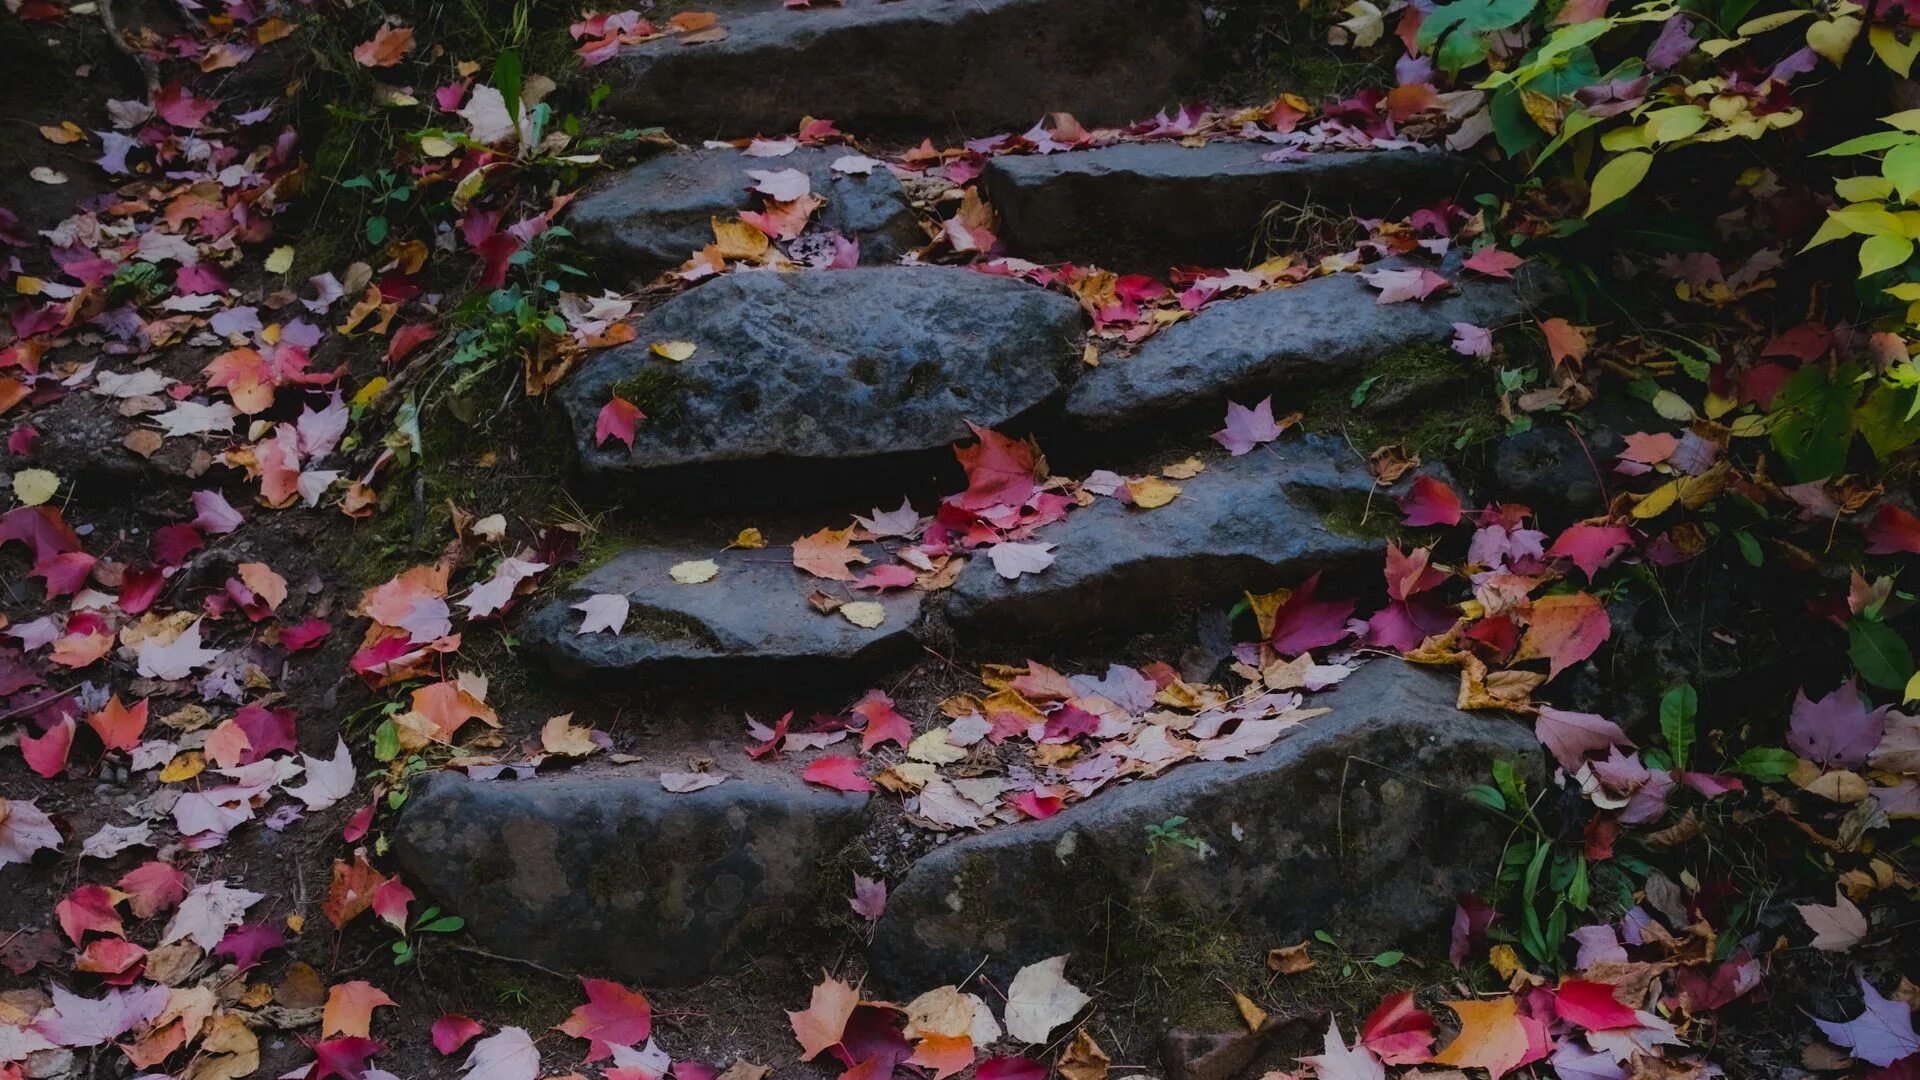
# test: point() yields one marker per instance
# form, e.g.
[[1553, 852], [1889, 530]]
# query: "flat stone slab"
[[610, 873], [1254, 522], [655, 215], [1306, 336], [925, 66], [754, 611], [827, 367], [1148, 206], [1351, 823]]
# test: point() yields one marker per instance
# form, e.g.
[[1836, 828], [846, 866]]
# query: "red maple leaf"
[[1306, 622], [1429, 502], [1000, 471]]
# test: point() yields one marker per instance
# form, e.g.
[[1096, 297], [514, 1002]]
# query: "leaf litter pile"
[[170, 687]]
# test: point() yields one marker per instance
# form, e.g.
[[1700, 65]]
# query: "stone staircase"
[[806, 386]]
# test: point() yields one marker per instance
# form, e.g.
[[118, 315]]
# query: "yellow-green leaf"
[[1878, 253], [1617, 177], [1897, 55], [1863, 188], [1902, 166], [1677, 122], [280, 260], [1833, 39], [1771, 22], [34, 486]]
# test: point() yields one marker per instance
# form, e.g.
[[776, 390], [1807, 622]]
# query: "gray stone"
[[828, 368], [1352, 824], [1148, 206], [923, 66], [1296, 338], [755, 611], [655, 215], [612, 874], [1253, 522]]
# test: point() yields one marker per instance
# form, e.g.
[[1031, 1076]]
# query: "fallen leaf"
[[694, 571], [823, 1022], [1836, 928], [349, 1009], [1040, 999], [612, 1016]]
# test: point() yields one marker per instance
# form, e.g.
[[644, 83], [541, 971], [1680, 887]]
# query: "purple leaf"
[[1882, 1033], [1837, 729], [1247, 428]]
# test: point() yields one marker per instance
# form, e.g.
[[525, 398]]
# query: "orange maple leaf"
[[822, 1023], [1564, 630], [350, 1008], [827, 553], [1493, 1036]]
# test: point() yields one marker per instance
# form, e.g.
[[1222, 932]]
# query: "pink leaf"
[[1471, 340], [1569, 736], [1493, 262], [1398, 1031], [1836, 730], [839, 772], [1247, 428], [1591, 547], [1399, 286], [1893, 531], [869, 898], [616, 421]]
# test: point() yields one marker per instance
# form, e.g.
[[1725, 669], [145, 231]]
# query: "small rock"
[[1148, 206], [827, 368], [612, 874], [1351, 824], [924, 66], [753, 611], [655, 215]]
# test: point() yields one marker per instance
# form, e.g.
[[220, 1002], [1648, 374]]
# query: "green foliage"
[[1677, 712]]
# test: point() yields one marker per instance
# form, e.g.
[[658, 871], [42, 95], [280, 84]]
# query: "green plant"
[[1546, 876], [430, 921], [1349, 962], [384, 188], [1169, 835]]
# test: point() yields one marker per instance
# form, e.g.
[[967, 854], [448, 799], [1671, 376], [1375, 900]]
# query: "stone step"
[[652, 217], [928, 67], [826, 370], [753, 614], [1249, 523], [611, 873], [1351, 824], [1314, 336], [1143, 207]]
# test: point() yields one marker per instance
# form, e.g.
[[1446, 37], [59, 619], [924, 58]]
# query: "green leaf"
[[1749, 547], [1813, 421], [1677, 711], [376, 229], [1486, 796], [1902, 166], [1879, 254], [1620, 175], [386, 741], [1767, 764], [1389, 958], [1359, 396], [445, 925], [1469, 22], [1865, 144], [1883, 418], [1878, 654]]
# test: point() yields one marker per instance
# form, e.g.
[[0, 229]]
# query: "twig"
[[148, 69], [475, 950]]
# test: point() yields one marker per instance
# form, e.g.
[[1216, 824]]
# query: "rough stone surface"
[[656, 214], [1253, 522], [1293, 338], [828, 366], [755, 611], [1349, 824], [612, 874], [924, 65], [1147, 206]]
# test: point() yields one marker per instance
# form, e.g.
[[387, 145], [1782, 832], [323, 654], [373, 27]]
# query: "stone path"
[[802, 384]]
